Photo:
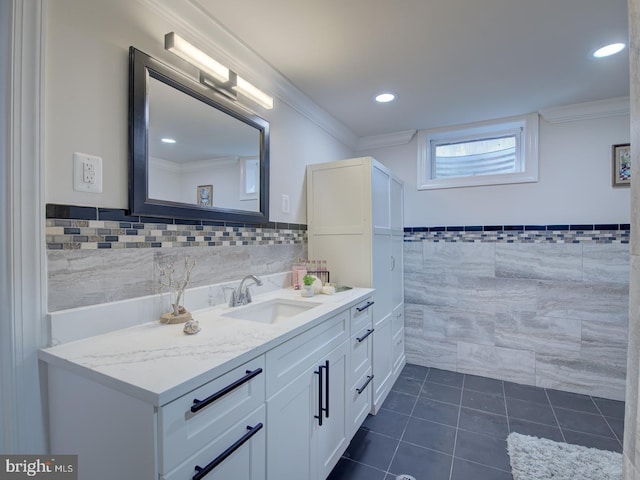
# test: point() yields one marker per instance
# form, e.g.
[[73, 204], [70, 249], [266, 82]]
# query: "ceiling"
[[448, 61]]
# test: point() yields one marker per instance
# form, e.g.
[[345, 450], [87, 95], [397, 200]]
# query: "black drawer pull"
[[361, 389], [203, 471], [326, 389], [364, 307], [320, 408], [323, 399], [369, 332], [200, 404]]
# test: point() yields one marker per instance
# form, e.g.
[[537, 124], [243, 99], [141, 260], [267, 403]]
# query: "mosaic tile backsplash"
[[70, 227], [583, 233], [97, 255], [68, 234]]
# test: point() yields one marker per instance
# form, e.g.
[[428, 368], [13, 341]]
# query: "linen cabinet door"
[[397, 271], [382, 278], [382, 362]]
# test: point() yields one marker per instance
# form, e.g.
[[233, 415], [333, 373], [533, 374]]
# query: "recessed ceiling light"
[[609, 50], [168, 140], [385, 97]]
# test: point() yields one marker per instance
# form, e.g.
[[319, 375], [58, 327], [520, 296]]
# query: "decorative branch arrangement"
[[176, 287]]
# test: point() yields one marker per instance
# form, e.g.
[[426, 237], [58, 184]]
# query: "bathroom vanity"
[[275, 389]]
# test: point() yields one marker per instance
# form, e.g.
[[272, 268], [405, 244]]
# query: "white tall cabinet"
[[355, 223]]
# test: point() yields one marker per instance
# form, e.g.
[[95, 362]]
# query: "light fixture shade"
[[179, 46], [254, 93]]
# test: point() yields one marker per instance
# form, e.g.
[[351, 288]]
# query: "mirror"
[[193, 154]]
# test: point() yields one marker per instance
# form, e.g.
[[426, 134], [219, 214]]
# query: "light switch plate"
[[87, 173], [285, 203]]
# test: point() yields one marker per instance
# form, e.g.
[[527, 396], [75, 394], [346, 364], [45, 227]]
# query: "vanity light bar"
[[208, 66], [179, 46], [254, 93]]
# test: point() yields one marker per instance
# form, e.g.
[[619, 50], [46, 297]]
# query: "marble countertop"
[[159, 363]]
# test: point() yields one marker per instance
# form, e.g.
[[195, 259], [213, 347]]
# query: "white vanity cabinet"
[[355, 222], [118, 436], [307, 403], [249, 401], [220, 425]]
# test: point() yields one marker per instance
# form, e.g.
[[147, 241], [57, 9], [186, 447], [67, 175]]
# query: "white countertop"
[[158, 363]]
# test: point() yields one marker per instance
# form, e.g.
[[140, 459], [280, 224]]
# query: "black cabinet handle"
[[203, 471], [369, 332], [200, 404], [320, 409], [361, 389], [364, 307], [323, 392], [326, 389]]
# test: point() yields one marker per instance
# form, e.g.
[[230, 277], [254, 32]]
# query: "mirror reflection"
[[193, 153], [199, 155]]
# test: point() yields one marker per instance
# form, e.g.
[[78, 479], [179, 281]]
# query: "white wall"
[[86, 104], [86, 111], [178, 182], [574, 185]]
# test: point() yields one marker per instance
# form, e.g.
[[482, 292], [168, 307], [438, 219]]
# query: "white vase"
[[307, 291]]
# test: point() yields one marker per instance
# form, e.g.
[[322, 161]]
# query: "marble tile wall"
[[78, 278], [547, 314], [551, 312], [98, 260]]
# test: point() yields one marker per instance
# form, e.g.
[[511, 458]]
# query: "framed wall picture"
[[621, 161], [205, 195]]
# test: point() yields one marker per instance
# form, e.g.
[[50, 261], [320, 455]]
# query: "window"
[[487, 153], [249, 178]]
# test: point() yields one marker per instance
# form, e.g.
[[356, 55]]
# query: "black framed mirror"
[[193, 154]]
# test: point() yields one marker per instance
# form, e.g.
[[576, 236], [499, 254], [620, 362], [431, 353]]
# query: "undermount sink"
[[271, 311]]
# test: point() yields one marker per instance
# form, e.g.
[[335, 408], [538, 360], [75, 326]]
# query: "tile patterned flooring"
[[442, 425]]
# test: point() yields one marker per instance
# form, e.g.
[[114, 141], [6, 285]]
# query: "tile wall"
[[545, 306], [105, 255]]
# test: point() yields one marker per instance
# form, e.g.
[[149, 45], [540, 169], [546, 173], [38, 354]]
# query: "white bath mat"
[[542, 459]]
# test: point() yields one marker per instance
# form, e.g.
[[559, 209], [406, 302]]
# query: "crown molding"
[[163, 164], [584, 111], [385, 140], [195, 24]]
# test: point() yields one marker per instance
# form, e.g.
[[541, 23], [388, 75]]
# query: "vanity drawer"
[[360, 401], [361, 349], [361, 315], [292, 358], [183, 431], [246, 461]]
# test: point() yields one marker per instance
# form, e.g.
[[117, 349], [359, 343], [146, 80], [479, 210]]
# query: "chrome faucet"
[[242, 294]]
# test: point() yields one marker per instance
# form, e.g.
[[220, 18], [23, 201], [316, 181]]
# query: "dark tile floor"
[[441, 425]]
